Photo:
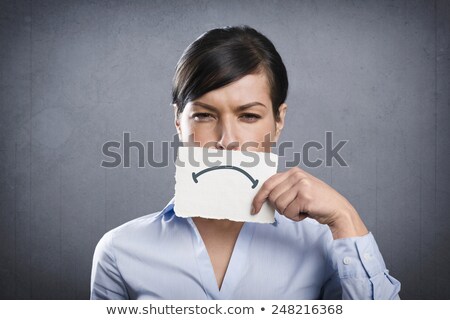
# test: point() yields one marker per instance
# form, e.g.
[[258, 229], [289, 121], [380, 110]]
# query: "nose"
[[228, 139]]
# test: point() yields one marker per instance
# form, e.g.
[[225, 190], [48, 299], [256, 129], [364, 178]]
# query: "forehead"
[[250, 88]]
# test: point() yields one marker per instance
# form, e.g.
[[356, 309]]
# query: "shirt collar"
[[168, 210]]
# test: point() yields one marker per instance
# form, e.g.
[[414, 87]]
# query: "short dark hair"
[[224, 55]]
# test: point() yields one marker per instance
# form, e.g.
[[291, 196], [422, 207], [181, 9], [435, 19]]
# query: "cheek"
[[265, 128], [198, 133], [261, 134]]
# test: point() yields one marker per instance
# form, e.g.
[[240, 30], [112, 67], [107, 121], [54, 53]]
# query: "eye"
[[250, 117], [202, 116]]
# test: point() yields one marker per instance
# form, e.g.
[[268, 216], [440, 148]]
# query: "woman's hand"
[[296, 194]]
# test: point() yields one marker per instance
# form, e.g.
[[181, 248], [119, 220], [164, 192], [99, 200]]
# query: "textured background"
[[75, 74]]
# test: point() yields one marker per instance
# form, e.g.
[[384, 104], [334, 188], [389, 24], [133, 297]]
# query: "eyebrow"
[[240, 108]]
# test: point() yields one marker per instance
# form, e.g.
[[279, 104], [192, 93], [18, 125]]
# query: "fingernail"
[[253, 210]]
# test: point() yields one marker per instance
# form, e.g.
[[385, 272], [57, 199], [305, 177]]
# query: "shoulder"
[[136, 226], [134, 233]]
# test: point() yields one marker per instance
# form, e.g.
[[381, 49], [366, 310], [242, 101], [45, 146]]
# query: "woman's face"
[[238, 116]]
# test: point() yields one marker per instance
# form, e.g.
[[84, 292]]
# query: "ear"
[[279, 124], [176, 120]]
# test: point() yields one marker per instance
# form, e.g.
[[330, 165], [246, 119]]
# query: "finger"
[[302, 172], [265, 190], [285, 185], [294, 211], [291, 178], [284, 200], [295, 180]]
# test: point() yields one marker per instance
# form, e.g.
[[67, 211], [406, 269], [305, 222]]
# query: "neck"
[[217, 225]]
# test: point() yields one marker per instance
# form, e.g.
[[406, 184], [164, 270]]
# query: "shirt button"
[[347, 260], [367, 256]]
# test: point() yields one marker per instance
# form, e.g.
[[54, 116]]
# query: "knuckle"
[[298, 171], [304, 183], [296, 176], [299, 174], [295, 169], [267, 186], [307, 198]]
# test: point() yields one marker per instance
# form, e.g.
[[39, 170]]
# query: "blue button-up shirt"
[[162, 256]]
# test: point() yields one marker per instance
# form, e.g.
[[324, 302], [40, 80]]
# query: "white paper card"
[[221, 184]]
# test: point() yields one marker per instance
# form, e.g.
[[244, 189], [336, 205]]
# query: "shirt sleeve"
[[360, 271], [106, 281]]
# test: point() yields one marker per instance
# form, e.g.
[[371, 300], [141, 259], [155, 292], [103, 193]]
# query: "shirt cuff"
[[358, 257]]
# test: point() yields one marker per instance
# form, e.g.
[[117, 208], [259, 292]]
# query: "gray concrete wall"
[[75, 74]]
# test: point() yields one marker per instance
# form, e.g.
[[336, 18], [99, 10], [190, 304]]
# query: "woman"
[[230, 88]]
